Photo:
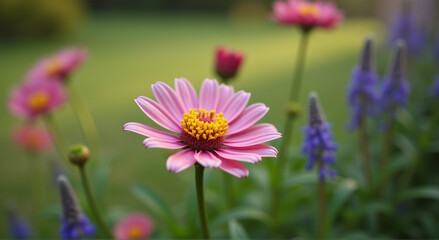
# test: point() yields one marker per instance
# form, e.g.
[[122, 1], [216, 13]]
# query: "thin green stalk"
[[58, 138], [423, 143], [365, 154], [388, 139], [199, 172], [289, 123], [322, 208], [85, 120], [92, 203]]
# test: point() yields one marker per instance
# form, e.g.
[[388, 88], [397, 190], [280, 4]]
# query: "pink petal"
[[207, 159], [209, 95], [148, 131], [235, 106], [238, 156], [186, 92], [225, 94], [247, 118], [233, 167], [181, 160], [158, 114], [159, 143], [168, 99], [260, 149], [254, 135]]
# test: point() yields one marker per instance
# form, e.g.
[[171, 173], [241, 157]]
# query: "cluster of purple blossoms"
[[75, 223], [435, 88], [396, 88], [318, 141], [18, 226], [404, 27], [361, 93]]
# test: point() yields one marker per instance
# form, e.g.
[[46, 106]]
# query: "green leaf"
[[427, 192], [344, 190], [241, 213], [236, 231], [155, 204]]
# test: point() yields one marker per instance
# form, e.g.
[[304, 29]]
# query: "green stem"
[[92, 203], [388, 139], [322, 209], [58, 138], [85, 120], [289, 123], [423, 143], [199, 172], [365, 155]]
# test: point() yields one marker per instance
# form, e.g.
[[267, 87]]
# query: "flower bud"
[[227, 63], [79, 154], [294, 109]]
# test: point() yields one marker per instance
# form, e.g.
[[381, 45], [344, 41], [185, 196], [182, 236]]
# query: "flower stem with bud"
[[289, 123]]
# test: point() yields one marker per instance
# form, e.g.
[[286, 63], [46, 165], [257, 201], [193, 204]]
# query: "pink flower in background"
[[306, 14], [58, 66], [227, 62], [216, 129], [32, 99], [32, 138], [134, 226]]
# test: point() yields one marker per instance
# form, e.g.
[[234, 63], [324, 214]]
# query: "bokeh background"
[[134, 43]]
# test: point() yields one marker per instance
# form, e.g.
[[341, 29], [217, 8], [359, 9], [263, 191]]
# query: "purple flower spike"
[[435, 88], [75, 224], [318, 142], [404, 27], [361, 93], [396, 88], [18, 226]]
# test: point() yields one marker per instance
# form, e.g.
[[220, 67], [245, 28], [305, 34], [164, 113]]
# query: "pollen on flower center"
[[135, 232], [38, 100], [203, 130], [53, 66], [309, 9]]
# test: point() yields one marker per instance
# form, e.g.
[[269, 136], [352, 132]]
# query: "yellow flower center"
[[33, 141], [203, 124], [38, 100], [53, 66], [309, 9], [135, 232]]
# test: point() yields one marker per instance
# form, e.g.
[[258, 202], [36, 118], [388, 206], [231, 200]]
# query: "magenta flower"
[[32, 99], [32, 138], [134, 226], [306, 14], [216, 129], [58, 66], [227, 62]]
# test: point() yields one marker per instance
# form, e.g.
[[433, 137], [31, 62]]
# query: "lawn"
[[129, 53]]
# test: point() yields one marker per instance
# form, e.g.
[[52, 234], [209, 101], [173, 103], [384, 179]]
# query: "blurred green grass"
[[129, 53]]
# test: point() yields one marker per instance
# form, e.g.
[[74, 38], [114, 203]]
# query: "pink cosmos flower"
[[227, 62], [32, 99], [32, 138], [216, 129], [58, 66], [306, 14], [134, 226]]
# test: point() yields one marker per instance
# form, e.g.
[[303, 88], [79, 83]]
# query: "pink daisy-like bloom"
[[227, 62], [306, 14], [134, 226], [216, 129], [32, 138], [59, 66], [32, 99]]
